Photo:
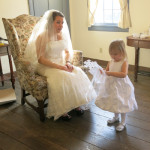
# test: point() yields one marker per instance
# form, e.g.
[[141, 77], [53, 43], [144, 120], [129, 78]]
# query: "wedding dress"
[[66, 90]]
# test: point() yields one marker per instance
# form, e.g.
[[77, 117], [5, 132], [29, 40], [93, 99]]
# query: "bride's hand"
[[65, 68], [69, 66]]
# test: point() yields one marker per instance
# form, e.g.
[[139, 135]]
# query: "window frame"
[[110, 27]]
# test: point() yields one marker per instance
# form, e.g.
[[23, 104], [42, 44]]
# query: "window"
[[106, 16]]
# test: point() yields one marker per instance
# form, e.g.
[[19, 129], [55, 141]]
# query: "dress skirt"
[[117, 95], [66, 90]]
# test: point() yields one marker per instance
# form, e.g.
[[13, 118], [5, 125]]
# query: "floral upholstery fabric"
[[18, 31], [77, 58], [24, 25]]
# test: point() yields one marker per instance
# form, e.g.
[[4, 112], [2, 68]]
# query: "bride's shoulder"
[[42, 37]]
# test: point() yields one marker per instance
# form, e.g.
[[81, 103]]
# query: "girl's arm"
[[107, 67], [45, 61], [122, 74]]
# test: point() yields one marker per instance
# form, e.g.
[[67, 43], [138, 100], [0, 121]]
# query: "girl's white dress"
[[117, 94], [66, 90]]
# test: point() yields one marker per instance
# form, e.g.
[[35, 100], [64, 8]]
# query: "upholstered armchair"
[[18, 31]]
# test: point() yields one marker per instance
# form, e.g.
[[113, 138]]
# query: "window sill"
[[109, 28]]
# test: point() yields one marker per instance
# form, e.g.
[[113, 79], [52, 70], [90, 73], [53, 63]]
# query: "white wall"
[[10, 9], [91, 41]]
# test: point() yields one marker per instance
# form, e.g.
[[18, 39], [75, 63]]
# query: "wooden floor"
[[21, 129]]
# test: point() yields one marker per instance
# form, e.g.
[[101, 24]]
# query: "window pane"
[[99, 12], [116, 4], [107, 4], [116, 16], [99, 17], [92, 5], [108, 11], [108, 16]]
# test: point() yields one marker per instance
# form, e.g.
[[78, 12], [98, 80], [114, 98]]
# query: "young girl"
[[117, 95]]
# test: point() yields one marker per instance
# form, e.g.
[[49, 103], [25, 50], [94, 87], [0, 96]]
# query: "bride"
[[50, 50]]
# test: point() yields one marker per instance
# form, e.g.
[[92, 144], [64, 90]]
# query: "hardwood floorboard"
[[7, 141], [133, 118], [20, 127], [50, 131], [100, 128]]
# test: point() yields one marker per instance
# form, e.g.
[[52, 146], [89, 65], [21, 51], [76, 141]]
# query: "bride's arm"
[[46, 62], [41, 56], [67, 56], [68, 62]]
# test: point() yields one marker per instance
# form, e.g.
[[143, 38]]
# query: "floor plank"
[[20, 127]]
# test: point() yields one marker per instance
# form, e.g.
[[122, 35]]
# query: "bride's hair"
[[44, 32], [56, 13]]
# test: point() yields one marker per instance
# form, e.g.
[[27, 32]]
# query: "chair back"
[[18, 31]]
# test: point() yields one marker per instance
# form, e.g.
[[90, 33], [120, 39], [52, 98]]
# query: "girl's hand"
[[102, 71], [108, 73]]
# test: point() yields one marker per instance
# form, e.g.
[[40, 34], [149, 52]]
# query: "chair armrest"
[[30, 80], [77, 58]]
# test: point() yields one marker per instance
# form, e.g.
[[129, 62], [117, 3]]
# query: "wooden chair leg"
[[1, 73], [23, 96], [41, 110], [11, 68]]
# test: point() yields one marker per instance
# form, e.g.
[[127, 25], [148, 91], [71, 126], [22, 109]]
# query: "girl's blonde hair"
[[118, 46]]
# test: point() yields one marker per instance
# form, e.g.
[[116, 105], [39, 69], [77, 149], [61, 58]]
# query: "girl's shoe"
[[120, 127], [113, 120]]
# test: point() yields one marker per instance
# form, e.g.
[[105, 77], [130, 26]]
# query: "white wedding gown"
[[66, 90]]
